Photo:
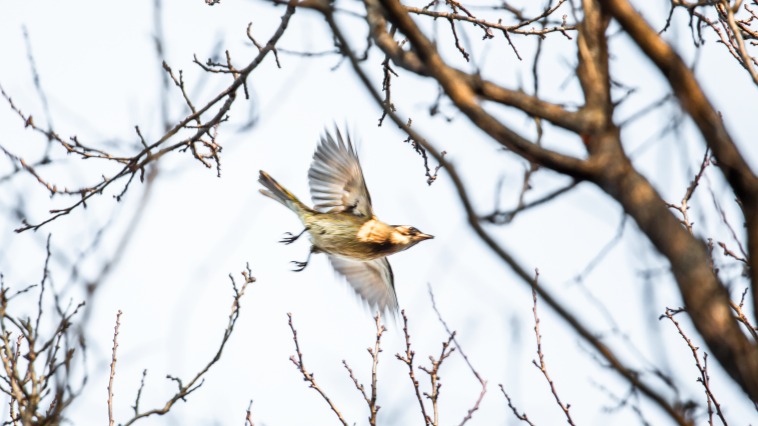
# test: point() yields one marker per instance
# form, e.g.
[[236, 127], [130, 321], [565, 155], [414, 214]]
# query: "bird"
[[342, 223]]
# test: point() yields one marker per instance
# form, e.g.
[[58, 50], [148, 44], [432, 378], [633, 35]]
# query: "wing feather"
[[373, 281], [336, 179]]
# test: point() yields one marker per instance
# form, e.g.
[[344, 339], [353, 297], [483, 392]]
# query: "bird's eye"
[[413, 231]]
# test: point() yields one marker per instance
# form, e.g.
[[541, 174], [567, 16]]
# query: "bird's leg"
[[291, 238], [302, 265]]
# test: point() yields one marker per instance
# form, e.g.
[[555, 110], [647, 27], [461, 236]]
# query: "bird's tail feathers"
[[278, 193]]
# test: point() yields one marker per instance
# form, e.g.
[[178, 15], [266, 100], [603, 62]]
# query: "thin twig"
[[407, 358], [249, 415], [374, 352], [482, 382], [113, 368], [521, 416], [197, 381], [515, 29], [683, 207], [741, 317], [130, 166], [704, 378], [135, 407], [308, 377], [505, 217], [434, 377], [375, 363], [542, 366]]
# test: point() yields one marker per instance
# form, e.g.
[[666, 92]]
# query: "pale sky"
[[98, 68]]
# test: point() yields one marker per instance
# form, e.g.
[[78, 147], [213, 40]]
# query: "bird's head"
[[407, 236]]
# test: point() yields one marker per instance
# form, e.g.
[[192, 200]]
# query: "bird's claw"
[[290, 237], [300, 265]]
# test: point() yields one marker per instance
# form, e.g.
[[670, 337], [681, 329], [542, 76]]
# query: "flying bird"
[[342, 223]]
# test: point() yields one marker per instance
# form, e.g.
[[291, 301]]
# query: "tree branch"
[[693, 100], [706, 299]]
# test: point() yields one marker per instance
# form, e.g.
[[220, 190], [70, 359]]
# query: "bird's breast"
[[350, 236]]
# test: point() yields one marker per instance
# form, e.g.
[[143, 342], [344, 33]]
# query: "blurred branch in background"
[[202, 142], [186, 388], [39, 363], [541, 365]]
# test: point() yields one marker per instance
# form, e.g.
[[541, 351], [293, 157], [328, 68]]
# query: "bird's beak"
[[423, 237]]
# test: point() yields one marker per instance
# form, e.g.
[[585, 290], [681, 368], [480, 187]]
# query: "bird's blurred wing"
[[336, 178], [372, 280]]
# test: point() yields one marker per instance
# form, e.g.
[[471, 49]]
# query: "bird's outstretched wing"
[[372, 280], [336, 178]]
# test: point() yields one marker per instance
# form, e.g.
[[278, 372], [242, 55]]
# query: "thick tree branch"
[[592, 71], [463, 95], [577, 121], [705, 298], [708, 120]]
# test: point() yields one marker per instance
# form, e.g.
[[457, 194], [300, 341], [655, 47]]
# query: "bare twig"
[[702, 368], [434, 377], [728, 224], [357, 384], [374, 352], [431, 177], [375, 363], [479, 378], [197, 381], [407, 358], [308, 377], [541, 365], [135, 407], [487, 25], [113, 368], [204, 134], [737, 40], [522, 416], [624, 401], [505, 217], [731, 254], [387, 88], [249, 415], [603, 251], [36, 369], [741, 317], [683, 208]]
